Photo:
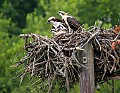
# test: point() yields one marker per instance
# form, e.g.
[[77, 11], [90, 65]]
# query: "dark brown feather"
[[57, 20], [73, 23], [64, 24]]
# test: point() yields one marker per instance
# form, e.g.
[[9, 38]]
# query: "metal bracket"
[[84, 60]]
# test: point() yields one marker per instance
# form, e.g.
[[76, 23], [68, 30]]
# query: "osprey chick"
[[70, 21], [58, 26]]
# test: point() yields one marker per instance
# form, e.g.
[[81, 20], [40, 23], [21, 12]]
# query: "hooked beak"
[[48, 22]]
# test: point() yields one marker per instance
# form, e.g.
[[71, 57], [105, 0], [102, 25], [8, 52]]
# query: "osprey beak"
[[48, 22]]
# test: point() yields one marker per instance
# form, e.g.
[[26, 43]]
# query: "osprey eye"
[[62, 13]]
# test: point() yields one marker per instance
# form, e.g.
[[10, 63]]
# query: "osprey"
[[70, 21], [58, 26]]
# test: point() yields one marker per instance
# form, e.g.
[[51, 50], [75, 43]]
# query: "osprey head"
[[61, 13], [51, 19]]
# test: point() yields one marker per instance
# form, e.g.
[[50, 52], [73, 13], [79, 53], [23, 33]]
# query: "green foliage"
[[35, 26], [7, 49], [17, 10], [30, 16], [105, 10], [107, 87]]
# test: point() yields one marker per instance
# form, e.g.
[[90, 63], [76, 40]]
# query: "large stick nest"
[[54, 58]]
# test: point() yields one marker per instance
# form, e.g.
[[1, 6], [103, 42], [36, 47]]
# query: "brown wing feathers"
[[73, 23]]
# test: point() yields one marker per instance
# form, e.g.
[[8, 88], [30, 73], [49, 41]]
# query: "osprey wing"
[[73, 23]]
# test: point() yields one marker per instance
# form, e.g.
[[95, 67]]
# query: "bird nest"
[[50, 59]]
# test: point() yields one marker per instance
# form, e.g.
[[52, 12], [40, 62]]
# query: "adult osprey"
[[70, 21], [58, 26]]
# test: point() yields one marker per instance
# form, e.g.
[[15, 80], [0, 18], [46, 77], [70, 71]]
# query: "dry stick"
[[98, 43], [114, 60], [20, 71], [39, 80], [113, 90], [51, 84], [117, 59], [93, 35], [90, 38], [73, 73], [107, 60], [105, 70], [48, 63], [66, 75], [41, 86], [71, 37], [25, 35], [33, 67], [22, 77], [16, 56], [59, 70], [17, 76], [74, 68]]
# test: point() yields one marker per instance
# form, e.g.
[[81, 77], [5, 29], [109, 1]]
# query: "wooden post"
[[86, 58]]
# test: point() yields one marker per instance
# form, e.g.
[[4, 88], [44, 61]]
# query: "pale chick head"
[[51, 19]]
